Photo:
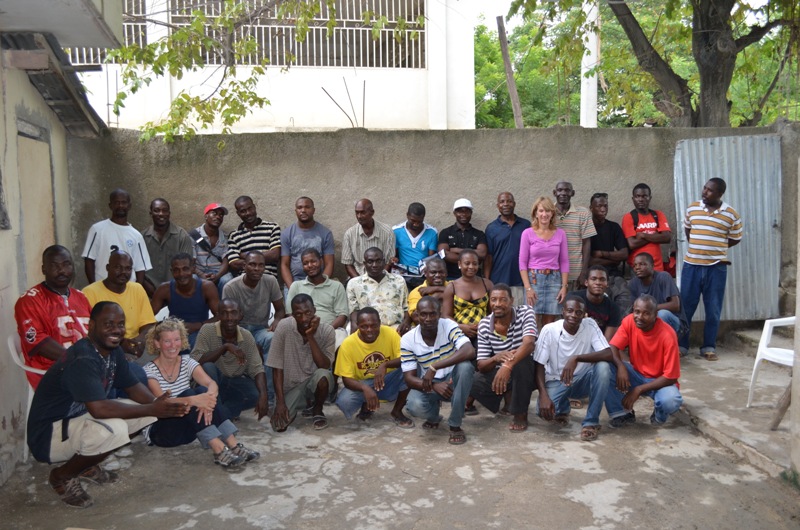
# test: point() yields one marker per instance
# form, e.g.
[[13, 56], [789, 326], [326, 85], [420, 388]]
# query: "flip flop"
[[517, 427], [320, 422], [576, 403], [457, 437], [291, 420], [431, 425], [710, 356], [404, 422], [589, 433], [472, 410], [365, 415]]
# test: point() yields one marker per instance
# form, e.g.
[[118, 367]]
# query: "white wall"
[[438, 97]]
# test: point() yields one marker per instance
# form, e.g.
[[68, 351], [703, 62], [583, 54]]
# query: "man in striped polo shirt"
[[576, 222], [712, 226], [253, 234], [506, 340], [435, 359]]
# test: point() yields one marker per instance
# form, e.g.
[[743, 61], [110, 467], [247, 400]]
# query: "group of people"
[[256, 322]]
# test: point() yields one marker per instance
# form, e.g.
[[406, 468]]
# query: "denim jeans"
[[172, 432], [137, 372], [235, 393], [350, 401], [671, 319], [263, 338], [708, 281], [426, 404], [593, 383], [667, 399]]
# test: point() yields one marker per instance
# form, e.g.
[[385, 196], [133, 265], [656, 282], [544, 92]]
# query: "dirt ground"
[[374, 476]]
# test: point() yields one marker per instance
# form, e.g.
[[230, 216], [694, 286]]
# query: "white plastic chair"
[[768, 353], [15, 349]]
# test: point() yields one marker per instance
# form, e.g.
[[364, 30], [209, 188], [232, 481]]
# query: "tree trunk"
[[714, 50], [675, 99]]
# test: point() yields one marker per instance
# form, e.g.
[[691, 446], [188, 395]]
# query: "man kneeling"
[[367, 363], [72, 421], [572, 358]]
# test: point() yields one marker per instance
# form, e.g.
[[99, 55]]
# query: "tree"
[[721, 32], [221, 34]]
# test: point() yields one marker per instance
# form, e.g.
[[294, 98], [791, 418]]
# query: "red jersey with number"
[[42, 313]]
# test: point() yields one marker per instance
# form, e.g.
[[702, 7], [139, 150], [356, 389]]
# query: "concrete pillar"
[[460, 64], [436, 48], [588, 61], [794, 409]]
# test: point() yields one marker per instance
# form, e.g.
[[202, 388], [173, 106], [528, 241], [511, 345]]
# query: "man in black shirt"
[[609, 248], [71, 418], [460, 236]]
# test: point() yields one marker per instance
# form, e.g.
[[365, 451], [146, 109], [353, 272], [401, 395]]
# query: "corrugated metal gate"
[[751, 167]]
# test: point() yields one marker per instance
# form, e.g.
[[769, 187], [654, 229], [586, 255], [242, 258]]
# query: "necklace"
[[172, 375]]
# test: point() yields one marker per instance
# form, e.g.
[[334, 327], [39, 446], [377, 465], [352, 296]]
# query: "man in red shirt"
[[645, 229], [654, 368], [51, 316]]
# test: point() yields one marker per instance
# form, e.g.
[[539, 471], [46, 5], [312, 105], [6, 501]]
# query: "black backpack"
[[635, 216]]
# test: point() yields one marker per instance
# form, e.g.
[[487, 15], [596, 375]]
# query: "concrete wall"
[[394, 169], [23, 114]]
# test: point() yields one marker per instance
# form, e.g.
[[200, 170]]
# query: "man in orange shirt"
[[654, 368]]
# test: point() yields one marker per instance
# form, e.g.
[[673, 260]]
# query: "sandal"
[[320, 422], [562, 420], [516, 426], [709, 356], [576, 403], [471, 410], [272, 423], [403, 421], [589, 433], [457, 437], [365, 415], [505, 412]]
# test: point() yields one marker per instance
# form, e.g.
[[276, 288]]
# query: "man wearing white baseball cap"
[[460, 236]]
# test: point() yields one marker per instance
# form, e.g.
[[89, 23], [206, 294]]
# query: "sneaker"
[[622, 421], [72, 493], [146, 434], [248, 454], [228, 459], [98, 475], [654, 421]]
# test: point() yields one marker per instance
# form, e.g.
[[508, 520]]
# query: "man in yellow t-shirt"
[[368, 363], [131, 296]]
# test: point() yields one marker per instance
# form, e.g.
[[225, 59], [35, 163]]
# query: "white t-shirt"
[[556, 345], [104, 234], [414, 351]]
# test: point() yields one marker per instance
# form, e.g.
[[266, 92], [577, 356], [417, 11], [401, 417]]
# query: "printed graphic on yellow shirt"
[[371, 363]]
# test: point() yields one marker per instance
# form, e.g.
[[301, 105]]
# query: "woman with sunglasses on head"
[[173, 373], [544, 263]]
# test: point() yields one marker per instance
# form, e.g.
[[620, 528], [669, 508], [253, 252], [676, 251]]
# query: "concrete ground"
[[379, 476]]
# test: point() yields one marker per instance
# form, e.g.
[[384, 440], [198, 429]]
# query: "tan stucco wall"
[[21, 101], [393, 169]]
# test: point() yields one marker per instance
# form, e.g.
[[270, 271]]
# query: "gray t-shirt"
[[294, 240], [254, 303]]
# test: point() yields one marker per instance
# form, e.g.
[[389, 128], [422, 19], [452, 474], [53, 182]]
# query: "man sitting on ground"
[[434, 284], [329, 295], [506, 339], [50, 316], [654, 366], [368, 363], [229, 355], [366, 233], [435, 359], [572, 362], [661, 286], [71, 419], [139, 317], [302, 354], [384, 291], [164, 239], [599, 305], [187, 297]]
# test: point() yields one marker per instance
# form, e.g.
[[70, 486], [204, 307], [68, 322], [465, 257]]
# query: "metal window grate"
[[400, 42]]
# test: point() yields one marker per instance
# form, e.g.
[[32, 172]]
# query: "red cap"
[[215, 206]]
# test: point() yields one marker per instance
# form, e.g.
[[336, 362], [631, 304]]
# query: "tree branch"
[[757, 112], [758, 32]]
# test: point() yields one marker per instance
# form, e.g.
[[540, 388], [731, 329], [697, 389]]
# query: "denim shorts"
[[546, 287]]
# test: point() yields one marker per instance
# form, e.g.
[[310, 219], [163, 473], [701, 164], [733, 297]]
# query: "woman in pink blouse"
[[544, 262]]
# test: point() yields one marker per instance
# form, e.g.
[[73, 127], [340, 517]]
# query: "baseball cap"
[[462, 203], [215, 206]]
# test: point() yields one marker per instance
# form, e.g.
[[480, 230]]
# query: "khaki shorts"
[[89, 436], [298, 397]]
